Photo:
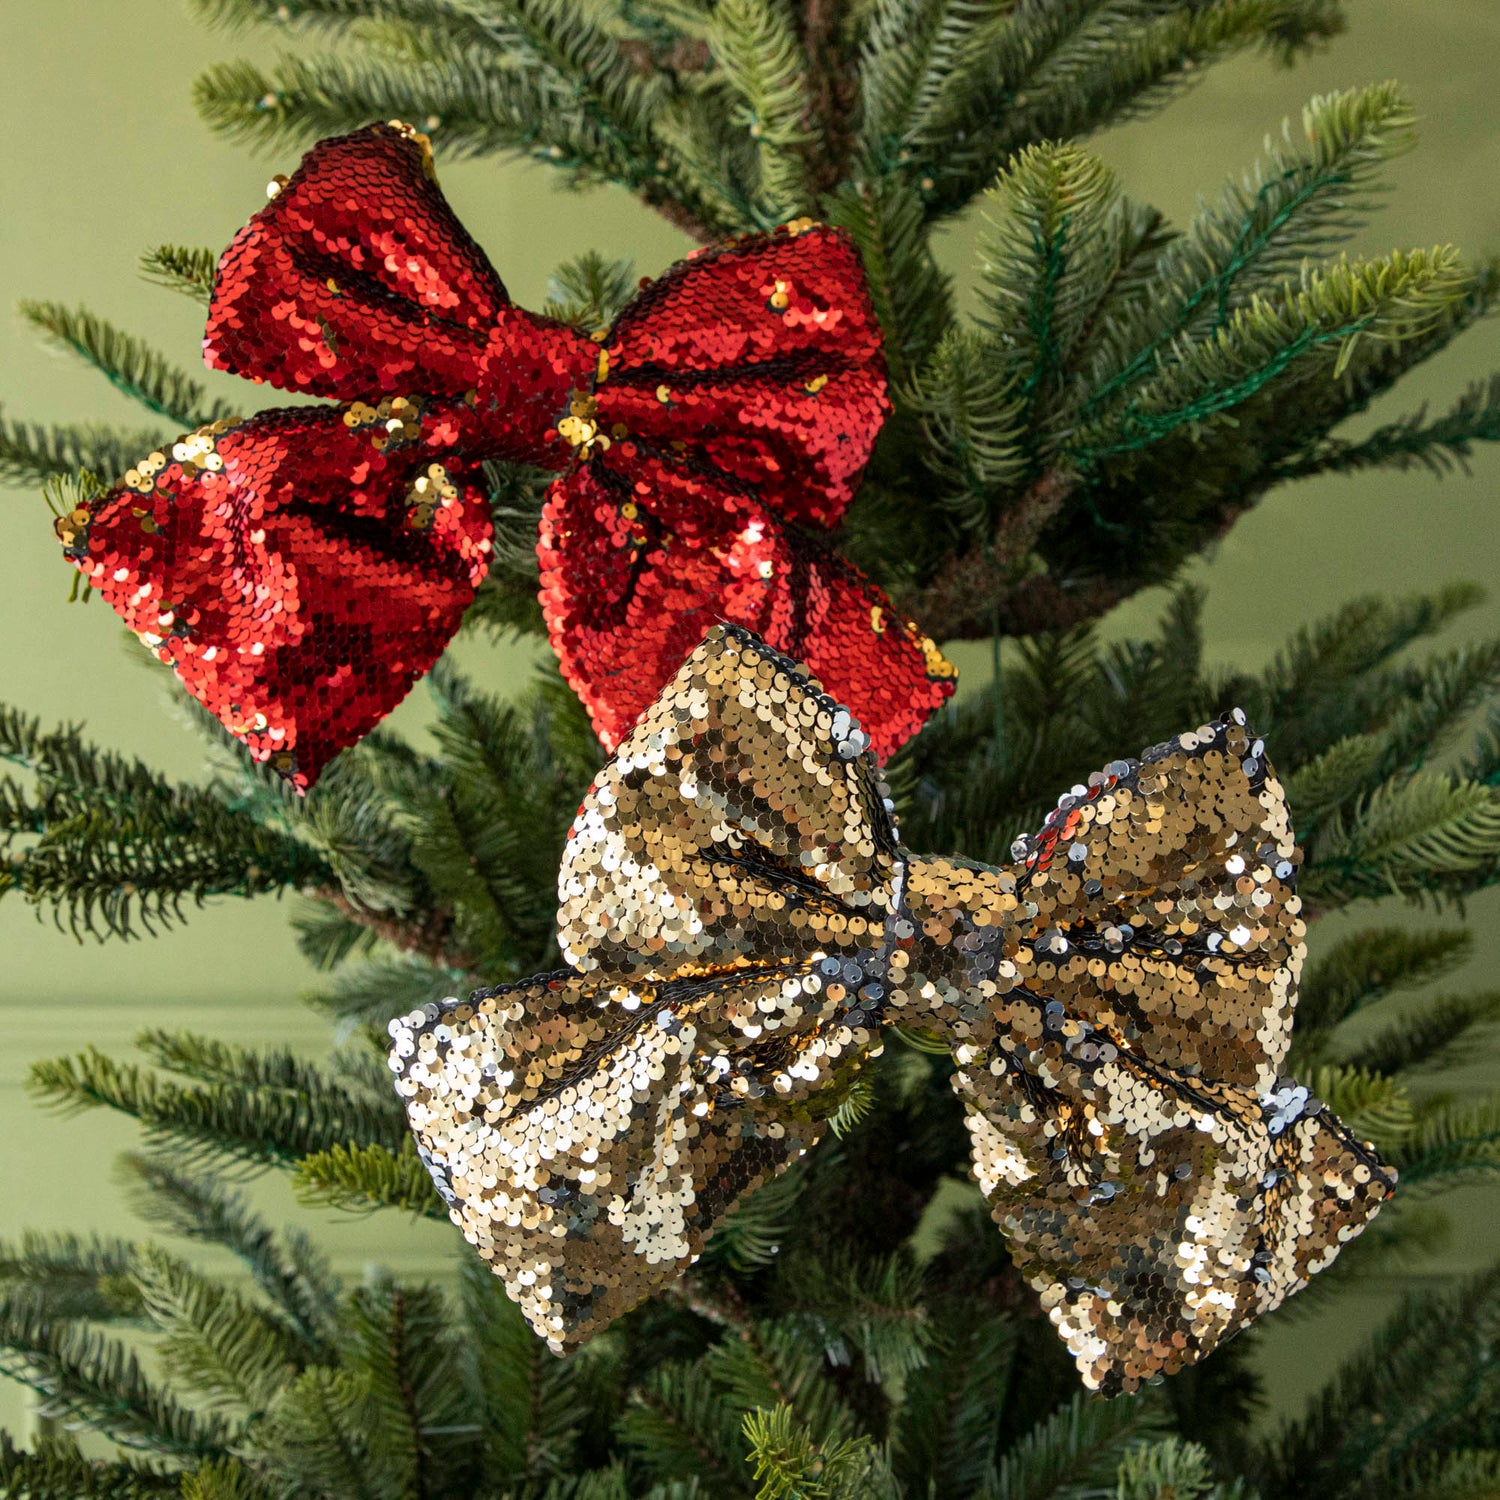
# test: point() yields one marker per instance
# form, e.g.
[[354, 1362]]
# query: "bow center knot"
[[534, 368], [580, 428]]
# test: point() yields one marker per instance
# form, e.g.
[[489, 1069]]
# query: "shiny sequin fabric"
[[741, 920], [300, 569]]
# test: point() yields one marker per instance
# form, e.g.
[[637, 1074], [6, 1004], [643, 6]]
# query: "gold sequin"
[[741, 921]]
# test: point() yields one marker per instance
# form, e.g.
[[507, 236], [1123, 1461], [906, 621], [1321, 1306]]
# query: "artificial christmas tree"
[[1122, 395]]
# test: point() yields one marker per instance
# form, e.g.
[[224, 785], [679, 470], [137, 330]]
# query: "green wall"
[[106, 158]]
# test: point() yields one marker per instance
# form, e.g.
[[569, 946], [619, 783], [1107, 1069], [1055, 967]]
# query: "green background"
[[106, 158]]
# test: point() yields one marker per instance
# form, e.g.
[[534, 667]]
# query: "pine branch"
[[364, 1177], [913, 298], [315, 1438], [949, 1420], [576, 105], [529, 1402], [227, 1479], [1057, 234], [1413, 442], [907, 49], [189, 269], [1423, 834], [590, 291], [995, 589], [1055, 71], [489, 842], [1368, 965], [1428, 1037], [973, 418], [292, 1273], [1299, 695], [1171, 1469], [72, 1277], [764, 65], [678, 1426], [1295, 203], [83, 1377], [791, 1466], [31, 453], [370, 994], [55, 1469], [1423, 1378], [417, 1416], [1081, 1444], [128, 364], [112, 846], [232, 1356], [866, 1308], [761, 1363], [1305, 333], [218, 1124], [1470, 1475], [1453, 1143], [450, 24]]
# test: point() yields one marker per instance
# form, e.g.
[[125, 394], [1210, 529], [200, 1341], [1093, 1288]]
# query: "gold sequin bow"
[[741, 919]]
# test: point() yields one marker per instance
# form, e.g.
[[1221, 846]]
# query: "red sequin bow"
[[302, 568], [742, 921]]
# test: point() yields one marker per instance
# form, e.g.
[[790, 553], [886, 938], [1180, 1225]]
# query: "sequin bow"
[[741, 920], [302, 568]]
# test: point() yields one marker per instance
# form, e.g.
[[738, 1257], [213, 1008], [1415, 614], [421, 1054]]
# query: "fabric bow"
[[741, 920], [302, 568]]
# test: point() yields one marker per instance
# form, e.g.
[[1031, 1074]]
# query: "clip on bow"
[[741, 920], [302, 568]]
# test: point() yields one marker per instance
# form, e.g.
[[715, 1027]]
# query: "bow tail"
[[589, 1138], [664, 557], [1154, 1213]]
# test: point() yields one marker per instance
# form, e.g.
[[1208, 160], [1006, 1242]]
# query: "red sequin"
[[301, 569]]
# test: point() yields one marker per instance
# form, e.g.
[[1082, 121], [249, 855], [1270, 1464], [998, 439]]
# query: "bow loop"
[[740, 812], [764, 355], [356, 279], [300, 516]]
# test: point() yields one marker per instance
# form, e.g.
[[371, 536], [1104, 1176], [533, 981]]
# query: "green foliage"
[[1080, 1447], [32, 453], [491, 834], [790, 1465], [114, 848], [289, 1271], [225, 1121], [590, 291], [73, 1277], [1452, 1144], [1422, 1391], [128, 364], [763, 67], [84, 1377], [367, 1176], [56, 1470], [232, 1354], [189, 269], [1412, 442], [1365, 967]]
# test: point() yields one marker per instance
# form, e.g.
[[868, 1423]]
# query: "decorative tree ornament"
[[741, 920], [302, 568]]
